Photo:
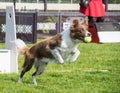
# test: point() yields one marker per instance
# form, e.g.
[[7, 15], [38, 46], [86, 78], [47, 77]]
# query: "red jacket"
[[95, 9]]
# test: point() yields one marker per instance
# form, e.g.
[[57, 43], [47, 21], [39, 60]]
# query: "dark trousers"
[[98, 19]]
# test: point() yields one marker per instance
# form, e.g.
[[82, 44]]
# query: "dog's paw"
[[34, 80], [20, 80], [75, 56], [61, 62], [72, 59]]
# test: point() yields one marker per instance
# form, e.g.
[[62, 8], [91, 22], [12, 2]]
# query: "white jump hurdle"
[[9, 55]]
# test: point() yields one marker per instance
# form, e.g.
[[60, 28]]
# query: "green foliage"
[[114, 1], [97, 70]]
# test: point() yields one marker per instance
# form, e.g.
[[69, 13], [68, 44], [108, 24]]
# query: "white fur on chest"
[[67, 41], [62, 52]]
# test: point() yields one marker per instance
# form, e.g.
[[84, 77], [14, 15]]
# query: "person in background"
[[95, 9]]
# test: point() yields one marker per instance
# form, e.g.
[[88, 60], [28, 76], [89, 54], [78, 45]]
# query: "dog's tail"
[[21, 46]]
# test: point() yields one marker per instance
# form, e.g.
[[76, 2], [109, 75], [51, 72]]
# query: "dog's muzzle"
[[88, 37], [88, 34]]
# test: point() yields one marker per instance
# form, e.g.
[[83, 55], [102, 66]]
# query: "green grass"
[[97, 70]]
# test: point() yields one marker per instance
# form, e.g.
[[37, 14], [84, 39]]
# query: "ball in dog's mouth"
[[88, 39]]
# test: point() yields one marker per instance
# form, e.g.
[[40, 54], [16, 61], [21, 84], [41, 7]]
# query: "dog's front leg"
[[57, 55], [75, 55]]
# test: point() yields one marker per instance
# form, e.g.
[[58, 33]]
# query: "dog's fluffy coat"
[[54, 49]]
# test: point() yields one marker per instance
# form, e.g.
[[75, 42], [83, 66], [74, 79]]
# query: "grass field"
[[97, 70]]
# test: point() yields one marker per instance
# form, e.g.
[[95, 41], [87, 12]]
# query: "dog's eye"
[[84, 29], [81, 30]]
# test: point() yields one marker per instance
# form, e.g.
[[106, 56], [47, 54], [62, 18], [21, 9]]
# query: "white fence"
[[51, 6]]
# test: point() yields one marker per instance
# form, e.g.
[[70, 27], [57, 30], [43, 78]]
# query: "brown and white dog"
[[54, 49]]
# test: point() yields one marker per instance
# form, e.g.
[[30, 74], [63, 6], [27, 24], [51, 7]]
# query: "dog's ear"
[[75, 22], [74, 25], [86, 21]]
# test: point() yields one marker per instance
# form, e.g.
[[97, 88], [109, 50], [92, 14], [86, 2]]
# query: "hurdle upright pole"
[[11, 37]]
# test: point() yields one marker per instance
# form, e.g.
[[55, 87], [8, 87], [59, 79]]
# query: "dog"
[[54, 49]]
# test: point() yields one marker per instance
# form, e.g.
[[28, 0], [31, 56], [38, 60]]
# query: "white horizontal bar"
[[51, 6]]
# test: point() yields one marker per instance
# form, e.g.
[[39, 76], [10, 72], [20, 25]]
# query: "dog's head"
[[79, 30]]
